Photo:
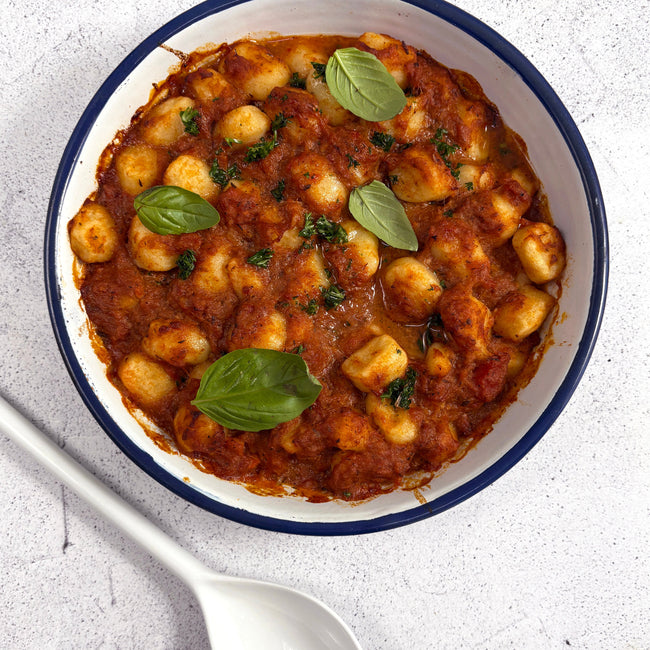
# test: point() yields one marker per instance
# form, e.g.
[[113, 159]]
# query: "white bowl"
[[527, 104]]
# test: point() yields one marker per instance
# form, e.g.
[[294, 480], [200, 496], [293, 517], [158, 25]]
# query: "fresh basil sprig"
[[377, 209], [361, 83], [255, 389], [171, 210]]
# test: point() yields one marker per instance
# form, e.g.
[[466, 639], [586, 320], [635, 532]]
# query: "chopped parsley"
[[309, 228], [278, 191], [400, 391], [232, 141], [469, 186], [333, 296], [330, 231], [299, 349], [448, 214], [222, 176], [352, 162], [185, 263], [261, 258], [188, 118], [311, 307], [261, 149], [297, 81], [319, 69], [279, 121], [382, 140], [445, 149]]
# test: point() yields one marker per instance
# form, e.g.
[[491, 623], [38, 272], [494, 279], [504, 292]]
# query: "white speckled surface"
[[553, 555]]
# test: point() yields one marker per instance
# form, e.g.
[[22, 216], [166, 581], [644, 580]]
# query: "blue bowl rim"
[[545, 94]]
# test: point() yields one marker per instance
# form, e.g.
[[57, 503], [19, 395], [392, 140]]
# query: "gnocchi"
[[193, 174], [163, 125], [137, 168], [178, 343], [145, 378], [376, 364], [93, 236], [243, 125], [412, 289]]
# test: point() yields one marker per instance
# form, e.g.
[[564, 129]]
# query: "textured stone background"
[[553, 555]]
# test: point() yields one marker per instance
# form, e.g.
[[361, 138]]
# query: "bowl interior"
[[527, 105]]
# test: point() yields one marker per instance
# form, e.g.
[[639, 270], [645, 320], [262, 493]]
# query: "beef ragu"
[[398, 268]]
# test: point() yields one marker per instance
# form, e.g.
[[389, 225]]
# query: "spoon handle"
[[102, 498]]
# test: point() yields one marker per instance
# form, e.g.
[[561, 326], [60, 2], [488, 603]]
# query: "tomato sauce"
[[339, 447]]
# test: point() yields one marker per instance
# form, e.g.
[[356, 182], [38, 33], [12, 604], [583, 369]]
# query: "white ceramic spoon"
[[239, 613]]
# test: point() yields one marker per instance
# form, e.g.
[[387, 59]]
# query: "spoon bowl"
[[239, 612], [243, 613]]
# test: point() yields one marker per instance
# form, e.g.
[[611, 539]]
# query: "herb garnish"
[[333, 296], [311, 307], [278, 190], [188, 118], [261, 258], [232, 141], [469, 186], [297, 81], [400, 391], [222, 176], [319, 69], [171, 210], [352, 162], [279, 121], [378, 210], [254, 389], [361, 83], [382, 140], [261, 149], [185, 263], [331, 231], [309, 229], [445, 149]]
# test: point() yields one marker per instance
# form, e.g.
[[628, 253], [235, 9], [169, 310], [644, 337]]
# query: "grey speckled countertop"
[[552, 555]]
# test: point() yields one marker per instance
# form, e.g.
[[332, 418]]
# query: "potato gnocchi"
[[418, 351]]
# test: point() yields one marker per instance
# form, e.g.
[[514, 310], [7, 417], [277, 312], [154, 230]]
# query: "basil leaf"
[[377, 209], [254, 389], [171, 210], [361, 83]]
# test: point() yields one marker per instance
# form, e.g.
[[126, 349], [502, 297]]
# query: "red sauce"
[[448, 408]]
